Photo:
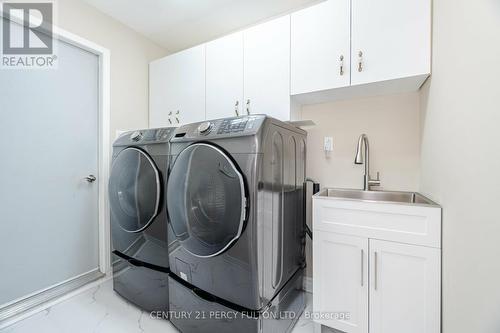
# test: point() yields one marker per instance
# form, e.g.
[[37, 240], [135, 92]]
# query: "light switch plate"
[[328, 144]]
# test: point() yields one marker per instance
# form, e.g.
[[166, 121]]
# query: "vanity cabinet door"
[[404, 288], [340, 287]]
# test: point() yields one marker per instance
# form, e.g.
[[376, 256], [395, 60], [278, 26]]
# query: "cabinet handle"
[[169, 121], [341, 63], [177, 116], [362, 267], [360, 61], [375, 284], [236, 108], [248, 106]]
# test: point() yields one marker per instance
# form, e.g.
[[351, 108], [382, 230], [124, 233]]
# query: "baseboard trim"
[[28, 303], [307, 284]]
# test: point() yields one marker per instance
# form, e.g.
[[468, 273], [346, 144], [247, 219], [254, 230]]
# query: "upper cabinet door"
[[340, 269], [177, 88], [224, 77], [405, 288], [267, 68], [390, 39], [320, 50]]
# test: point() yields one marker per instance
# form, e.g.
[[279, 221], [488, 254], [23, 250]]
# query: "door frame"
[[104, 139]]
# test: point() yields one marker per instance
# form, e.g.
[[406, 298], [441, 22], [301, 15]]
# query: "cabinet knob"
[[236, 108], [360, 61], [248, 106], [341, 64]]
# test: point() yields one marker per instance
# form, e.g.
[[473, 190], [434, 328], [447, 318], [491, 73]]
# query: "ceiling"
[[179, 24]]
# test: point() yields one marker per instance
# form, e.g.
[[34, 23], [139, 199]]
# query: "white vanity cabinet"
[[378, 261], [177, 88]]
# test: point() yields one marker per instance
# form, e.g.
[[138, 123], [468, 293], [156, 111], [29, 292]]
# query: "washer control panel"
[[234, 125], [220, 128]]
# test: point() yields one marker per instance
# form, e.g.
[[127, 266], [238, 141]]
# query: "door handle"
[[90, 178]]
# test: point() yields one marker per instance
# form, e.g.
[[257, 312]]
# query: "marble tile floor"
[[100, 309]]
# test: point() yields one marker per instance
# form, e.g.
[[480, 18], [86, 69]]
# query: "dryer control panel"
[[145, 136]]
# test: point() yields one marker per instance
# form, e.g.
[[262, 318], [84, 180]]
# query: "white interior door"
[[50, 128], [224, 77], [394, 37], [267, 68], [321, 47], [340, 285], [405, 288]]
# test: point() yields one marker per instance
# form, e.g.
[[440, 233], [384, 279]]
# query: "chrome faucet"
[[368, 182]]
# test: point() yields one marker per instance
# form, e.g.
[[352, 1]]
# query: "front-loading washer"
[[235, 200], [139, 221]]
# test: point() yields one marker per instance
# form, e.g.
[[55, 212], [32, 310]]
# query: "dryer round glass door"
[[134, 190], [206, 200]]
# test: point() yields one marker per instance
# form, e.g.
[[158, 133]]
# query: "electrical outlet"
[[328, 144]]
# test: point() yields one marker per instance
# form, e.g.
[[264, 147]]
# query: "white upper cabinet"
[[267, 68], [336, 49], [177, 88], [405, 290], [224, 77], [320, 47], [390, 39]]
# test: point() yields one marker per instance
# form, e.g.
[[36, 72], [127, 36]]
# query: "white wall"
[[461, 159], [130, 57], [392, 124]]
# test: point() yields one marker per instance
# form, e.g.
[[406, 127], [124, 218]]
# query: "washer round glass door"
[[206, 200], [134, 190]]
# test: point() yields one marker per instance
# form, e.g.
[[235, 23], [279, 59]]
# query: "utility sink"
[[409, 198]]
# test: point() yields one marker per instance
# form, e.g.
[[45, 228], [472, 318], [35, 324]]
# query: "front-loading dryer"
[[236, 207], [139, 221]]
